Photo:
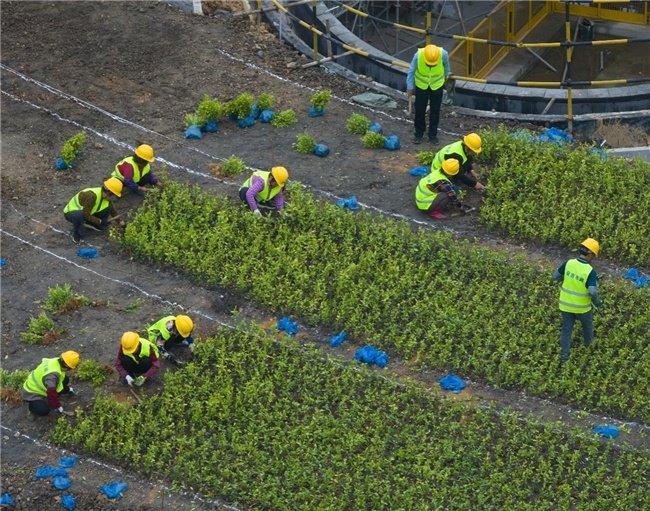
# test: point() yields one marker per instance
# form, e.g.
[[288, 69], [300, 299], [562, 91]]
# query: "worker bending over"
[[170, 331], [464, 151], [265, 189], [577, 295], [135, 171], [93, 207], [137, 359], [435, 192], [44, 384]]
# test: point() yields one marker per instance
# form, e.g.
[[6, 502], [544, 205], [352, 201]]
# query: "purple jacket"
[[257, 185]]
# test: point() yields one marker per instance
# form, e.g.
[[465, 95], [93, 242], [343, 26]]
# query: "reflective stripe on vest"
[[574, 296], [429, 77], [34, 382], [160, 328], [267, 192], [424, 197], [454, 148], [145, 349], [100, 203], [137, 174]]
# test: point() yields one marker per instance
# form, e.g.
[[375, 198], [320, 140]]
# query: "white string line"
[[47, 445]]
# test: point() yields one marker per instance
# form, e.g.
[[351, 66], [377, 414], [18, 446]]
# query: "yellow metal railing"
[[637, 13]]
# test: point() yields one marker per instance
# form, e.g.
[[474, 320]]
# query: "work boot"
[[76, 239], [433, 139], [417, 139], [436, 214]]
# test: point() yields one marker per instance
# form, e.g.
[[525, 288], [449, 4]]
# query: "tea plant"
[[209, 109], [358, 124], [41, 330], [240, 106], [232, 166], [72, 146], [265, 101], [11, 384], [372, 140], [284, 118], [62, 299], [426, 157], [320, 99], [93, 371], [304, 143], [193, 119]]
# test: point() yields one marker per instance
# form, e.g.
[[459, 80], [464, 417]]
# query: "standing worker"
[[263, 187], [171, 330], [135, 171], [426, 79], [578, 294], [93, 207], [464, 151], [137, 359], [44, 384], [435, 192]]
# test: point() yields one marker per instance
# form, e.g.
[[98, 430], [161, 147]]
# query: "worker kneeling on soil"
[[170, 331], [44, 384], [93, 207], [464, 151], [435, 191], [135, 171], [265, 189], [137, 359], [578, 294]]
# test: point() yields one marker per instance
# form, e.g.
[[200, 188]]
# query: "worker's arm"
[[592, 288], [446, 188], [87, 201], [155, 365], [126, 169], [558, 274], [118, 365], [410, 76], [257, 185], [278, 201], [445, 63], [50, 381]]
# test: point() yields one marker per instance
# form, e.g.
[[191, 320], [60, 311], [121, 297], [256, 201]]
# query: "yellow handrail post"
[[569, 54], [314, 35], [427, 37]]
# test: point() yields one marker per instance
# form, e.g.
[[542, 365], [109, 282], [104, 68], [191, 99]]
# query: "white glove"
[[257, 212], [60, 409], [129, 380], [72, 391]]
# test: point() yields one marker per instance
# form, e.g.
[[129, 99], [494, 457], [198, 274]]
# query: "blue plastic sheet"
[[88, 253], [61, 482], [606, 431], [193, 132], [392, 143], [349, 203], [376, 127], [419, 171], [246, 122], [452, 383], [371, 355], [60, 164], [555, 135], [114, 489], [267, 116], [6, 499], [288, 326], [68, 502], [316, 112], [255, 111], [640, 280], [337, 340], [210, 127], [2, 262], [67, 461], [45, 471], [321, 150]]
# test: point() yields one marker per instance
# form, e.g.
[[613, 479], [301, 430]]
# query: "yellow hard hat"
[[592, 245], [473, 141], [114, 185], [145, 152], [71, 358], [450, 166], [130, 342], [184, 325], [431, 54], [280, 174]]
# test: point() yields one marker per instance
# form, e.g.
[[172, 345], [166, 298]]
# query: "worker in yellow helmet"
[[44, 384], [135, 171], [171, 331], [435, 192], [137, 359], [426, 77], [265, 189], [93, 207], [464, 150], [578, 295]]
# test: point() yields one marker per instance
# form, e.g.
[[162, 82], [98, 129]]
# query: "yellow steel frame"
[[598, 11]]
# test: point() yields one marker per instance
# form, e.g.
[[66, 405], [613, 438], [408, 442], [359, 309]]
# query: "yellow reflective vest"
[[267, 192], [429, 77], [34, 382], [100, 203], [138, 174], [424, 197], [574, 295]]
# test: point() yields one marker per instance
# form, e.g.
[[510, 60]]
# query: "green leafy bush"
[[265, 101], [425, 296], [41, 330], [232, 166], [72, 146], [62, 299], [426, 157], [321, 98], [193, 119], [209, 109], [358, 124], [93, 371], [13, 379], [304, 143], [372, 140], [240, 106], [284, 118]]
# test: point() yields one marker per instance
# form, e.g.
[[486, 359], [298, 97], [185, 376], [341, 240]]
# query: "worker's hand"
[[139, 381], [72, 391], [143, 189], [129, 380], [479, 187], [121, 222], [597, 302], [410, 93], [466, 209], [257, 212], [64, 412], [449, 85]]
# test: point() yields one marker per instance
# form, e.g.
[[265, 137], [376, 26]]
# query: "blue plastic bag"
[[419, 171], [67, 461], [193, 132], [606, 431], [392, 143], [61, 482], [337, 340], [210, 127], [321, 150], [637, 277], [267, 116], [88, 253], [246, 122], [371, 355], [316, 112], [288, 326], [632, 274], [555, 135], [68, 502], [349, 203], [60, 164], [45, 471], [6, 499], [2, 262], [452, 383], [642, 281], [255, 111], [114, 489], [376, 127]]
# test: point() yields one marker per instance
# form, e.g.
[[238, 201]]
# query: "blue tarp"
[[420, 171], [193, 132], [555, 135], [452, 383], [45, 471], [640, 280], [210, 127], [68, 502], [321, 150], [288, 326], [88, 253], [606, 431], [60, 164], [375, 127], [255, 111], [61, 482], [114, 489], [67, 461], [246, 122], [6, 499], [2, 262], [316, 112], [349, 203], [337, 340], [371, 355], [267, 116], [392, 143]]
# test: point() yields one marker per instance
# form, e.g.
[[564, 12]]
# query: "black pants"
[[440, 202], [76, 218], [41, 407], [266, 204], [434, 99], [464, 178]]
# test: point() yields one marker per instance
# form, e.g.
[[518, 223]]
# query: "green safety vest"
[[100, 203], [574, 296], [425, 197], [453, 148], [137, 173], [429, 77], [159, 328], [267, 192], [34, 382], [145, 349]]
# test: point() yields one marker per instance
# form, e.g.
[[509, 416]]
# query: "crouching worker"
[[265, 189], [435, 192], [172, 331], [135, 171], [93, 207], [137, 359], [44, 384], [464, 151]]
